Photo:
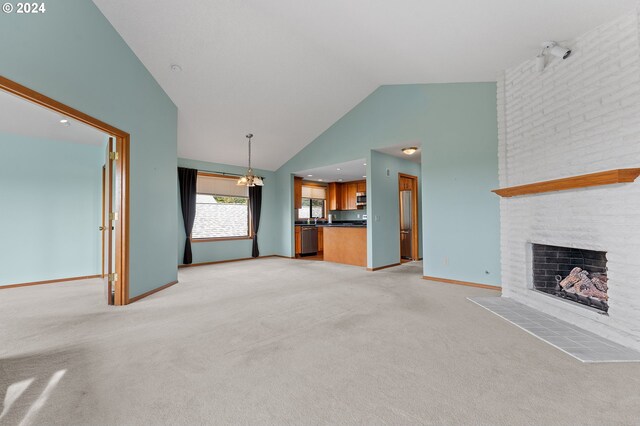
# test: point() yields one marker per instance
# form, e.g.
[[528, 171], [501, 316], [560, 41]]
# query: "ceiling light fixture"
[[309, 175], [320, 180], [338, 169], [364, 176], [249, 179], [64, 121], [410, 150]]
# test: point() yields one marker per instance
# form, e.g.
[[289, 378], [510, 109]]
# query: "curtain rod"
[[226, 173]]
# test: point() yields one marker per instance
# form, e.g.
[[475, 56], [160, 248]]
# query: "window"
[[222, 208], [313, 202]]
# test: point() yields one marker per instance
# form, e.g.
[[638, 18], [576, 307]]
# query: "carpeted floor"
[[276, 341]]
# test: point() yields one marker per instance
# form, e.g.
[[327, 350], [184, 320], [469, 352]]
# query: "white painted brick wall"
[[578, 116]]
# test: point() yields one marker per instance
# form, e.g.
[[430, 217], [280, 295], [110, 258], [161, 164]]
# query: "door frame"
[[122, 176], [415, 232]]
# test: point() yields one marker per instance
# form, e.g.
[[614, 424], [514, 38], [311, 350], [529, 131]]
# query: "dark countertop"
[[338, 224]]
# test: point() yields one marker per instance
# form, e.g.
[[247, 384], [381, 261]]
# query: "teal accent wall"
[[384, 203], [459, 169], [268, 235], [456, 125], [51, 194], [72, 54]]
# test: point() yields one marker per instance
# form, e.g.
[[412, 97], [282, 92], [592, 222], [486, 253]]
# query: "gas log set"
[[583, 287], [572, 273]]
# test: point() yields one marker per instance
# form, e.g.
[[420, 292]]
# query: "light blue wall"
[[459, 169], [390, 115], [268, 236], [457, 127], [384, 204], [73, 55], [51, 196]]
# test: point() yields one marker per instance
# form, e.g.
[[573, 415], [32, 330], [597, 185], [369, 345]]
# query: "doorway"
[[408, 205], [115, 221]]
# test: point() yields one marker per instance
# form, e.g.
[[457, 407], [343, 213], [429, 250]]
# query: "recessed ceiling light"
[[338, 169], [176, 68], [364, 176], [309, 175], [339, 180], [410, 150], [364, 164], [64, 120], [319, 180]]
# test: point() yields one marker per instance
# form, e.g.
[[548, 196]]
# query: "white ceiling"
[[25, 118], [286, 70], [349, 171]]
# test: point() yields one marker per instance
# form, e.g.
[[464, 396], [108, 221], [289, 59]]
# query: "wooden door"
[[108, 228]]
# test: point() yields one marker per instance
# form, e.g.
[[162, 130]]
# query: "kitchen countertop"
[[345, 224]]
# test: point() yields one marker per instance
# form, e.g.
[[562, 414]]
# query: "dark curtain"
[[187, 179], [255, 205]]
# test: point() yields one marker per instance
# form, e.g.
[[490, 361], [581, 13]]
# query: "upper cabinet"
[[297, 192], [334, 196], [362, 186], [352, 189]]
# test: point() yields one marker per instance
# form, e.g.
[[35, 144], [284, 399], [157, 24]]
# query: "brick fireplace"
[[578, 116]]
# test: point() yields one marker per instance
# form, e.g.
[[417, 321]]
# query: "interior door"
[[107, 228]]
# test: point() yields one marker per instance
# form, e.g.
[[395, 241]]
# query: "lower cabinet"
[[298, 241], [320, 238]]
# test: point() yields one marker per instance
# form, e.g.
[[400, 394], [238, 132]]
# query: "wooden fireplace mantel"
[[582, 181]]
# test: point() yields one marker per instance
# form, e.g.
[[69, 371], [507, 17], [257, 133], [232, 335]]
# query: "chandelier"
[[249, 179]]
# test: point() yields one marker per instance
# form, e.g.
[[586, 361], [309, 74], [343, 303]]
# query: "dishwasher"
[[309, 240]]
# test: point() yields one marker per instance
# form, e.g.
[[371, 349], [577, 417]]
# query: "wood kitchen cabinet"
[[297, 192], [334, 196], [320, 238], [298, 241], [342, 196], [352, 189]]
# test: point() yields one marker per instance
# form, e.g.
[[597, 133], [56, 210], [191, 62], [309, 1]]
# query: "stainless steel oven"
[[361, 199]]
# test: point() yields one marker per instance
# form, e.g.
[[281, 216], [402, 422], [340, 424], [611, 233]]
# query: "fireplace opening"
[[574, 274]]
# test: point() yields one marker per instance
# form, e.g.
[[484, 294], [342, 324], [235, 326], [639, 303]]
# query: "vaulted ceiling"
[[286, 70]]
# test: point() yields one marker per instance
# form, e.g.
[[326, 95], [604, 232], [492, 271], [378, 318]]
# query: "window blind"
[[314, 192], [215, 185]]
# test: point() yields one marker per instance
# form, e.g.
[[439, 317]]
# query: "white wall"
[[578, 116]]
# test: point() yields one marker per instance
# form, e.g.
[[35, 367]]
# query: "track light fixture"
[[551, 48]]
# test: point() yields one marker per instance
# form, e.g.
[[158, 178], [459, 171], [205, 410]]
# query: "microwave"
[[361, 199]]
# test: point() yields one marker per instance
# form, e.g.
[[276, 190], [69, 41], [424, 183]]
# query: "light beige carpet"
[[276, 341]]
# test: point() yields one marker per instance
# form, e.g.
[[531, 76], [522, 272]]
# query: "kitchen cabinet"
[[352, 189], [342, 196], [320, 238], [334, 196], [298, 240], [297, 192]]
